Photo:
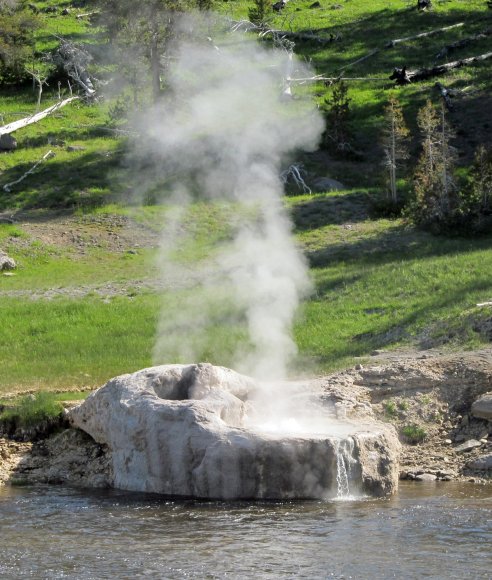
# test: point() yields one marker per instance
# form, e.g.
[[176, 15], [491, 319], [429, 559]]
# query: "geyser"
[[222, 136], [185, 430]]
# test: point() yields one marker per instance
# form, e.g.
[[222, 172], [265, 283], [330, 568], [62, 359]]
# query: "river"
[[425, 531]]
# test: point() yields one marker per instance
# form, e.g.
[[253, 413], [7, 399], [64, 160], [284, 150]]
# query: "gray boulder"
[[6, 263], [7, 143], [468, 446], [482, 407], [183, 430], [327, 184], [482, 463]]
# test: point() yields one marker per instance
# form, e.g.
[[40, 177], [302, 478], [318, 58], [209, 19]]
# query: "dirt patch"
[[78, 234]]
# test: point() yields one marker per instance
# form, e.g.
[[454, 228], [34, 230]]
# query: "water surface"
[[425, 531]]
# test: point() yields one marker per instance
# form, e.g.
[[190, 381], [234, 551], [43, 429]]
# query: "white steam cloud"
[[224, 137]]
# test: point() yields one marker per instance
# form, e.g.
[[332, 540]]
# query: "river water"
[[425, 531]]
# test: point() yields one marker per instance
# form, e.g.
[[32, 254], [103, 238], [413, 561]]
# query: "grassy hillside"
[[85, 300]]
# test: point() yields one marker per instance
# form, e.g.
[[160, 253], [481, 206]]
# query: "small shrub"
[[403, 405], [413, 434], [390, 408]]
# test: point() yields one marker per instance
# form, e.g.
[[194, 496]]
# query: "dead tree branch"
[[247, 26], [402, 76], [8, 186], [87, 14], [11, 127], [74, 60], [445, 94]]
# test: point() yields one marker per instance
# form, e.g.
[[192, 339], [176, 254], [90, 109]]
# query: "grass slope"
[[378, 283]]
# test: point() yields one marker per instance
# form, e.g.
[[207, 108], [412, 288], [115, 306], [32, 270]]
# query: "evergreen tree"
[[258, 14], [17, 27], [142, 32], [338, 130], [435, 190]]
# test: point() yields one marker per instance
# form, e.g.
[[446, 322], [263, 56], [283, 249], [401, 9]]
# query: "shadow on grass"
[[400, 243], [60, 137], [379, 28], [330, 210], [421, 326], [61, 183]]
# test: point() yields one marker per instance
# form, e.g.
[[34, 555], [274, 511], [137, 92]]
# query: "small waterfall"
[[346, 468]]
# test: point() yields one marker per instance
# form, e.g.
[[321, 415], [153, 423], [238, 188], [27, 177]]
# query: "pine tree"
[[394, 143], [435, 188], [258, 13], [338, 130]]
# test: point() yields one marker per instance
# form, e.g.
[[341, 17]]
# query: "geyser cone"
[[180, 430]]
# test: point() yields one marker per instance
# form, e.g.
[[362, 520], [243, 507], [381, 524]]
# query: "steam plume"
[[223, 137]]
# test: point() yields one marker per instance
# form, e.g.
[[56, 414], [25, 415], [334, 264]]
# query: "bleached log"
[[21, 123], [87, 14], [8, 186], [396, 41], [484, 304]]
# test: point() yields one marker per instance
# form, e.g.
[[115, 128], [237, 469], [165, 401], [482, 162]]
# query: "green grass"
[[31, 410], [74, 343], [378, 284]]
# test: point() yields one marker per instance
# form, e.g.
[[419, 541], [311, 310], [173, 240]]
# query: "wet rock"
[[482, 407], [426, 477], [70, 457], [468, 446], [181, 430], [482, 463]]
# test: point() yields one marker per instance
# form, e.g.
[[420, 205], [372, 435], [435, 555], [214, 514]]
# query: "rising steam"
[[223, 137]]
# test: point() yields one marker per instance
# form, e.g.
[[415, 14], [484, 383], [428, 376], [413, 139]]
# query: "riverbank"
[[427, 397]]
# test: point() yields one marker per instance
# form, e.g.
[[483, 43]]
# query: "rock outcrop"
[[6, 263], [182, 430], [482, 407]]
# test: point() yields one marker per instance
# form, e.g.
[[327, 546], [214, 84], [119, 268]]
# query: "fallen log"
[[402, 76], [396, 41], [21, 123], [8, 186], [445, 50], [87, 14]]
